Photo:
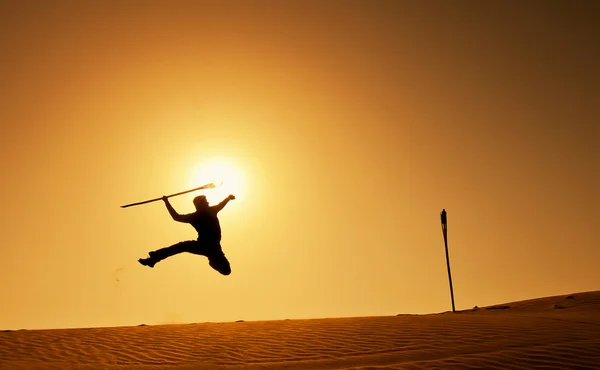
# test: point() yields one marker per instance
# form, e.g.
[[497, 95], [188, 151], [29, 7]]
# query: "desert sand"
[[561, 332]]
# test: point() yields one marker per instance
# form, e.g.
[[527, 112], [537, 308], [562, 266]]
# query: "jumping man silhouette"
[[208, 244]]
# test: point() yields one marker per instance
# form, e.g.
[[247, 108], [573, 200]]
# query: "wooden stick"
[[207, 186]]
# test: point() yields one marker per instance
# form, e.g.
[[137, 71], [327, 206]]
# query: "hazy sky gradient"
[[353, 123]]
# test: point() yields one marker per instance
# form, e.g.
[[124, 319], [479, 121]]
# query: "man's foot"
[[147, 262]]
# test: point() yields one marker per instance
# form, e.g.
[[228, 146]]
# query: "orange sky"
[[353, 124]]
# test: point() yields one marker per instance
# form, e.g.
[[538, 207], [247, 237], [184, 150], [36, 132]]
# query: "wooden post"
[[445, 233]]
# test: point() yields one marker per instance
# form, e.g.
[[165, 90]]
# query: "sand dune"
[[561, 332]]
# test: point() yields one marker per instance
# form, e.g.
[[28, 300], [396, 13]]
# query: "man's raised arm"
[[176, 216], [221, 205]]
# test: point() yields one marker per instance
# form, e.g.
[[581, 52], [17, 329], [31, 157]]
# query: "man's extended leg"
[[161, 254]]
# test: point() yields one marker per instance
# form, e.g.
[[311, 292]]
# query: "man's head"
[[200, 202]]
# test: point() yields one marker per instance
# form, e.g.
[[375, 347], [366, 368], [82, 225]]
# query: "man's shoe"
[[147, 262]]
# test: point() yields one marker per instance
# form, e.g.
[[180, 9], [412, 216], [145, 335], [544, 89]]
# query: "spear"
[[207, 186]]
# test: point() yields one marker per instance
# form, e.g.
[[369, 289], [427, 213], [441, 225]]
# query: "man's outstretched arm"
[[221, 205], [176, 216]]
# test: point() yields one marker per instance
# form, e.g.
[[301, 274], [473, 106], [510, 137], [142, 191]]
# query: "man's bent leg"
[[220, 263]]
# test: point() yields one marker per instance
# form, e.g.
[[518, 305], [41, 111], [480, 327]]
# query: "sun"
[[223, 173]]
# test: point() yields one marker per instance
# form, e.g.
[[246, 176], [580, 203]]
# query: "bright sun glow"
[[218, 170]]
